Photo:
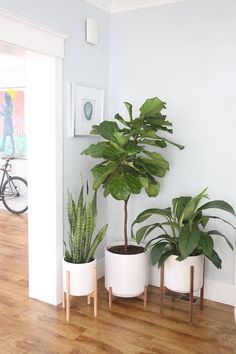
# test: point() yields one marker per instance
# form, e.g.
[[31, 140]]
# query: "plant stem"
[[126, 224]]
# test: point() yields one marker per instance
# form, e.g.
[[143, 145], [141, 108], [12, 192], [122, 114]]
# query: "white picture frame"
[[86, 109]]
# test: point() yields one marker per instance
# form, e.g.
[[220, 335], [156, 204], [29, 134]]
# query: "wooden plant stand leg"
[[191, 295], [161, 290], [89, 299], [144, 297], [95, 293], [63, 300], [202, 289], [67, 296], [110, 297]]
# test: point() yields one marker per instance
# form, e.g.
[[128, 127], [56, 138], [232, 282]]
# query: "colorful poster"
[[12, 123]]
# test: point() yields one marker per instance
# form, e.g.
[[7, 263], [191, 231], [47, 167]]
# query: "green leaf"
[[101, 172], [179, 204], [218, 204], [206, 244], [144, 182], [215, 259], [121, 139], [153, 188], [118, 187], [192, 206], [151, 212], [98, 239], [106, 129], [215, 232], [129, 108], [188, 242], [181, 147], [164, 257], [131, 148], [157, 252], [121, 120], [151, 166], [152, 106], [103, 150], [158, 158]]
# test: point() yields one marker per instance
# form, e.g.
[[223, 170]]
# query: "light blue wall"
[[84, 63], [185, 53]]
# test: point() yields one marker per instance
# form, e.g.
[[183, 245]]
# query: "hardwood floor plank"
[[29, 326]]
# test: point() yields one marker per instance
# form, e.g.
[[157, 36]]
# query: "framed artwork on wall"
[[12, 123], [86, 109]]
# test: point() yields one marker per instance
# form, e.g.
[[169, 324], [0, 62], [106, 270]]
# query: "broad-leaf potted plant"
[[79, 257], [183, 239], [127, 166]]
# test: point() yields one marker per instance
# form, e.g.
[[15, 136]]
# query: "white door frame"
[[31, 36]]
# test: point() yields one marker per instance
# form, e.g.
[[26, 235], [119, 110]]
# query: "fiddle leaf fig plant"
[[183, 232], [129, 161], [82, 216]]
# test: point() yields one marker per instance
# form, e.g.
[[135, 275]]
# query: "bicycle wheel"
[[15, 192]]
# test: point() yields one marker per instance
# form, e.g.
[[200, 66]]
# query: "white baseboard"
[[214, 290]]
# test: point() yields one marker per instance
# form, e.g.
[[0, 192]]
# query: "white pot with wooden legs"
[[126, 275], [79, 280]]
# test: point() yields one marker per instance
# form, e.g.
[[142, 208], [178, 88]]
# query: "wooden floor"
[[29, 326]]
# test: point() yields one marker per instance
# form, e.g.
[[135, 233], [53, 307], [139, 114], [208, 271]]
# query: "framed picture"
[[12, 123], [86, 109]]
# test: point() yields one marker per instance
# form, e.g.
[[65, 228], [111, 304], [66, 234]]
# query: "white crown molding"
[[30, 23], [105, 5], [129, 5], [114, 6]]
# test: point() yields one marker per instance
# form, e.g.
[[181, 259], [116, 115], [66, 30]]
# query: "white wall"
[[184, 53], [84, 63]]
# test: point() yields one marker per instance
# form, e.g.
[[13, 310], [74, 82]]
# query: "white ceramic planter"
[[127, 275], [81, 277], [177, 274]]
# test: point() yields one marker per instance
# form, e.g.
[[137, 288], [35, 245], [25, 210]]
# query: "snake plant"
[[82, 217]]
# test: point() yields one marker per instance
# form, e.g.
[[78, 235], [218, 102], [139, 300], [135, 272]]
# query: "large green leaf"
[[121, 120], [131, 148], [152, 212], [215, 232], [121, 138], [192, 206], [181, 147], [101, 172], [152, 106], [179, 204], [98, 239], [129, 108], [188, 242], [158, 158], [215, 259], [206, 244], [153, 188], [218, 204], [151, 166], [103, 150], [118, 187], [106, 129], [157, 252]]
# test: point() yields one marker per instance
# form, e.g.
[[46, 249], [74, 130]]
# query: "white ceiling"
[[113, 6]]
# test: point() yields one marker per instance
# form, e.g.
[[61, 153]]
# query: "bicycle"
[[13, 190]]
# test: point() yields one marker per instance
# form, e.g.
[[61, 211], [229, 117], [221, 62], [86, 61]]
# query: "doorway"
[[44, 52]]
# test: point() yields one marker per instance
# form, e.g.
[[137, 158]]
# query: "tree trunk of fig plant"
[[126, 225]]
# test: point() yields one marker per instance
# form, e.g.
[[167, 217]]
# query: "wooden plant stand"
[[67, 297], [191, 291], [143, 296]]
